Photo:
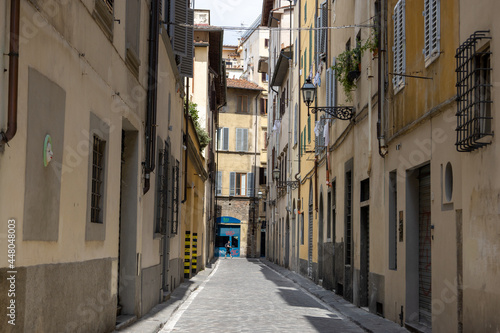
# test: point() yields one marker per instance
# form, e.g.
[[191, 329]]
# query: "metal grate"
[[175, 199], [161, 222], [473, 94], [97, 180]]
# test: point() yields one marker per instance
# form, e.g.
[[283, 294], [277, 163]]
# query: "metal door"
[[424, 263]]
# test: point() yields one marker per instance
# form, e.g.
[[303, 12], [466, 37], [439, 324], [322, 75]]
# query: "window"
[[474, 94], [334, 210], [432, 30], [250, 184], [266, 43], [218, 184], [223, 138], [296, 124], [264, 77], [132, 33], [242, 104], [263, 106], [331, 85], [262, 176], [175, 197], [322, 32], [162, 189], [399, 48], [242, 139], [98, 149], [241, 184], [103, 14]]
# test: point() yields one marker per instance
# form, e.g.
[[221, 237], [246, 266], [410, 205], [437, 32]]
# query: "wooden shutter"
[[225, 138], [186, 66], [242, 139], [432, 33], [219, 182], [232, 180], [328, 84], [250, 184], [324, 24], [178, 32], [399, 50], [296, 124]]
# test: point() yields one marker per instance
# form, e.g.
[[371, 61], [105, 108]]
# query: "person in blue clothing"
[[228, 249]]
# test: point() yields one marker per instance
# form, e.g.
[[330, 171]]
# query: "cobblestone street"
[[248, 296], [241, 295]]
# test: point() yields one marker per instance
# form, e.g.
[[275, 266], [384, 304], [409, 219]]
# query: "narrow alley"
[[251, 295]]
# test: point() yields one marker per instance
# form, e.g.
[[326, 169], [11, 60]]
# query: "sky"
[[233, 13]]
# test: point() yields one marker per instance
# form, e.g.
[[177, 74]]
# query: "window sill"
[[430, 59]]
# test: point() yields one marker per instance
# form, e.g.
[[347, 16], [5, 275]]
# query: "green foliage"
[[203, 136], [348, 64]]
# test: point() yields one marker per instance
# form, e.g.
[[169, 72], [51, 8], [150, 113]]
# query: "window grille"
[[175, 199], [161, 220], [399, 49], [473, 94], [98, 149]]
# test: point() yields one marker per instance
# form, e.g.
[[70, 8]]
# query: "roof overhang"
[[281, 69]]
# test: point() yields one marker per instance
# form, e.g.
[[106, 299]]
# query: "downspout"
[[13, 73], [154, 30], [381, 79], [297, 175], [186, 119]]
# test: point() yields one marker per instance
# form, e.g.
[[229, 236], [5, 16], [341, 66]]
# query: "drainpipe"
[[13, 73], [381, 79], [297, 175], [186, 119], [370, 76], [154, 30]]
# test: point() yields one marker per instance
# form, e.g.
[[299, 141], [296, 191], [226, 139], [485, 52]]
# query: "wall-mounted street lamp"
[[293, 184], [339, 112]]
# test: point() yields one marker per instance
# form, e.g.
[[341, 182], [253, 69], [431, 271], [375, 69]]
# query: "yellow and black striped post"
[[195, 253], [187, 256]]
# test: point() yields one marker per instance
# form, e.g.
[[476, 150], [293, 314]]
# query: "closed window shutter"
[[432, 33], [219, 182], [399, 50], [328, 87], [296, 126], [178, 32], [317, 40], [225, 138], [324, 25], [333, 86], [186, 66], [242, 139], [245, 140], [232, 180], [250, 184]]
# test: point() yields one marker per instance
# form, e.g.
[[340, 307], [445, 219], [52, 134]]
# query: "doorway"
[[127, 242]]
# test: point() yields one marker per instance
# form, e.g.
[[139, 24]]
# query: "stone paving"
[[240, 295]]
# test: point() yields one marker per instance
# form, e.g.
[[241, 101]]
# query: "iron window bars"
[[98, 149], [473, 94]]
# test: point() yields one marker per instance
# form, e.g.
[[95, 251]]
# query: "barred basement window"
[[161, 221], [473, 94], [175, 199], [98, 149]]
